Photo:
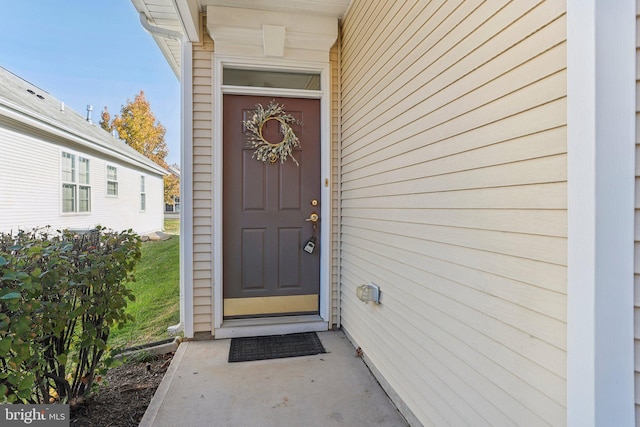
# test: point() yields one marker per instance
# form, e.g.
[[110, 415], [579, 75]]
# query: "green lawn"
[[157, 295], [172, 226]]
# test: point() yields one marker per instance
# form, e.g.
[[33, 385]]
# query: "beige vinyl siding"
[[636, 278], [453, 201], [334, 58], [202, 187]]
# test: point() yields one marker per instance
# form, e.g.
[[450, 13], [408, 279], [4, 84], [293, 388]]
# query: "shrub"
[[60, 295]]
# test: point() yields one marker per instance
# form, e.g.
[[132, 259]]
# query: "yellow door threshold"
[[270, 305]]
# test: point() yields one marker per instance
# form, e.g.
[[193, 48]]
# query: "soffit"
[[333, 8], [165, 14]]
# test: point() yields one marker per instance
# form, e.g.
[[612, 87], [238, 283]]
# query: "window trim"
[[68, 181], [84, 183], [71, 179], [143, 194], [114, 181]]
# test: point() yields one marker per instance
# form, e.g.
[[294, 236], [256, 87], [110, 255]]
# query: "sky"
[[90, 52]]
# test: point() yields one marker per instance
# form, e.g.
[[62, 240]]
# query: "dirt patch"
[[124, 400]]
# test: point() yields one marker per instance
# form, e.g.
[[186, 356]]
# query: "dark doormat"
[[275, 347]]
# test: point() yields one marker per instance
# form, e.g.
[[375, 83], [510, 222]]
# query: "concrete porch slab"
[[336, 388]]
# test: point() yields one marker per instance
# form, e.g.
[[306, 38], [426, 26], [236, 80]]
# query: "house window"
[[173, 207], [143, 195], [76, 184], [68, 182], [84, 189], [112, 181]]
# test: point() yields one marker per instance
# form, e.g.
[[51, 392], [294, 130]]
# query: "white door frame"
[[219, 63]]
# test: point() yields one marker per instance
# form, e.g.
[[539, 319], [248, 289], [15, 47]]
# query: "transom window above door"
[[274, 79]]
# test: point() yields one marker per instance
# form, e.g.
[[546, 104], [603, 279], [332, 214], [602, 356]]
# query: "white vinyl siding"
[[202, 188], [33, 186], [112, 180], [453, 201]]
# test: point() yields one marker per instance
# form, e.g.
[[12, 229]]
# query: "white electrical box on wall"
[[368, 292]]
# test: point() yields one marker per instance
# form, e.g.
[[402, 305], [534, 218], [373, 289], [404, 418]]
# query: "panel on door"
[[266, 205]]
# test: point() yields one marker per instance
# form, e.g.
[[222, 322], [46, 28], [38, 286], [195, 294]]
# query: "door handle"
[[313, 218]]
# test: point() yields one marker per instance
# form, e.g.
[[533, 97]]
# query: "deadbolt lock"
[[314, 202]]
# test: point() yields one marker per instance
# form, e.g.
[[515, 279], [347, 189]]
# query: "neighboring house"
[[475, 160], [173, 208], [59, 170]]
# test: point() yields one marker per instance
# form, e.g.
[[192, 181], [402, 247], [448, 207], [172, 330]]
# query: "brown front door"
[[265, 207]]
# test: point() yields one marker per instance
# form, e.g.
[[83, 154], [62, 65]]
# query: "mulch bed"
[[124, 400]]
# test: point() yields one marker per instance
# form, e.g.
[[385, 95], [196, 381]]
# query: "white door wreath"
[[265, 150]]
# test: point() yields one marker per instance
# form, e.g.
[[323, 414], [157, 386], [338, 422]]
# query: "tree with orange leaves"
[[137, 126]]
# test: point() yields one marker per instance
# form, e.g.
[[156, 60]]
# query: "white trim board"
[[186, 188], [601, 151]]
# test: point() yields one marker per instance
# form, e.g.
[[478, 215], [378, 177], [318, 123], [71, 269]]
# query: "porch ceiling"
[[167, 14]]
